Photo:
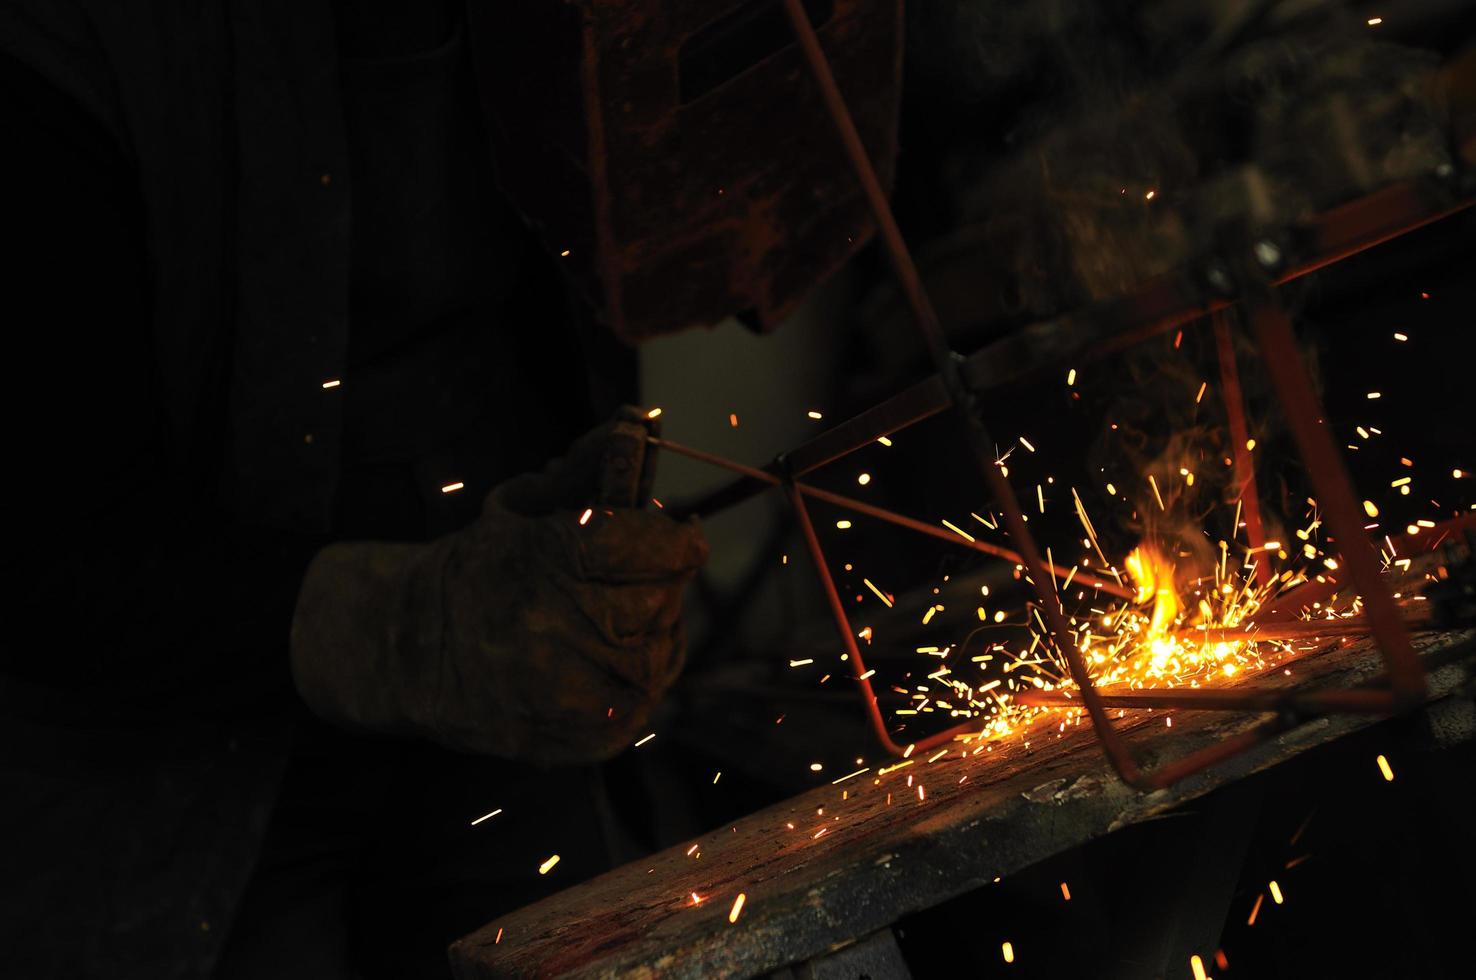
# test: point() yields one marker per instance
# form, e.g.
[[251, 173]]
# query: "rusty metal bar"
[[1354, 701], [1291, 604], [923, 400], [949, 367], [848, 638], [924, 316], [1297, 629], [890, 517], [1194, 763], [1334, 488], [1234, 400]]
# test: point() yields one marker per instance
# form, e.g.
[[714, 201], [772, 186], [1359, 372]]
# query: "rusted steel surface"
[[983, 816]]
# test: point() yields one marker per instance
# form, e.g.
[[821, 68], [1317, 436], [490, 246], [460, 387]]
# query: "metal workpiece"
[[1246, 269]]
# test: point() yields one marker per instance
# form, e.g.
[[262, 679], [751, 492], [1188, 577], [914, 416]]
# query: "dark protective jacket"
[[181, 188]]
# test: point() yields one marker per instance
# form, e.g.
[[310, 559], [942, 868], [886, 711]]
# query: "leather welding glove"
[[529, 634]]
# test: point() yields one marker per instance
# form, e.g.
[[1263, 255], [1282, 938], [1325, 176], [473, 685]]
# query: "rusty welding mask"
[[676, 153]]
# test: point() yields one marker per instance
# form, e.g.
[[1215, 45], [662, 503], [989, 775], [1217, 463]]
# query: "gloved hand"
[[527, 634]]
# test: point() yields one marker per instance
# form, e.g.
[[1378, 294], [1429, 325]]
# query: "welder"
[[287, 614]]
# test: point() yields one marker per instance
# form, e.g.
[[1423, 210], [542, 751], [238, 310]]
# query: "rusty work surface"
[[884, 853]]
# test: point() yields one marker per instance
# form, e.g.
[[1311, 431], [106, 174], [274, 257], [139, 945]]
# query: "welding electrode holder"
[[627, 469]]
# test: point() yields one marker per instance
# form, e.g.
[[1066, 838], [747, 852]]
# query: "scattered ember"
[[878, 592]]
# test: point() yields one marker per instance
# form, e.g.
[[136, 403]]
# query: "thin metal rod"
[[949, 367], [891, 517], [1340, 507], [1354, 701], [942, 534], [902, 265], [909, 406], [1297, 629], [1370, 221], [848, 639], [1245, 470]]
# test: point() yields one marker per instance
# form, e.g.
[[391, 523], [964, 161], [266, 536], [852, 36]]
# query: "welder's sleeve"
[[116, 592]]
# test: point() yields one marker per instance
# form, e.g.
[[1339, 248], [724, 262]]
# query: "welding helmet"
[[676, 154]]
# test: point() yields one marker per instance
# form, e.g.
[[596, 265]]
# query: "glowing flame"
[[1153, 577]]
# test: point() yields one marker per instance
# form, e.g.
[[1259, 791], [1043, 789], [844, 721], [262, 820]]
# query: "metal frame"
[[1161, 305]]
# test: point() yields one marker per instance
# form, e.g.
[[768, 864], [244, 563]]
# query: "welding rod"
[[882, 514]]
